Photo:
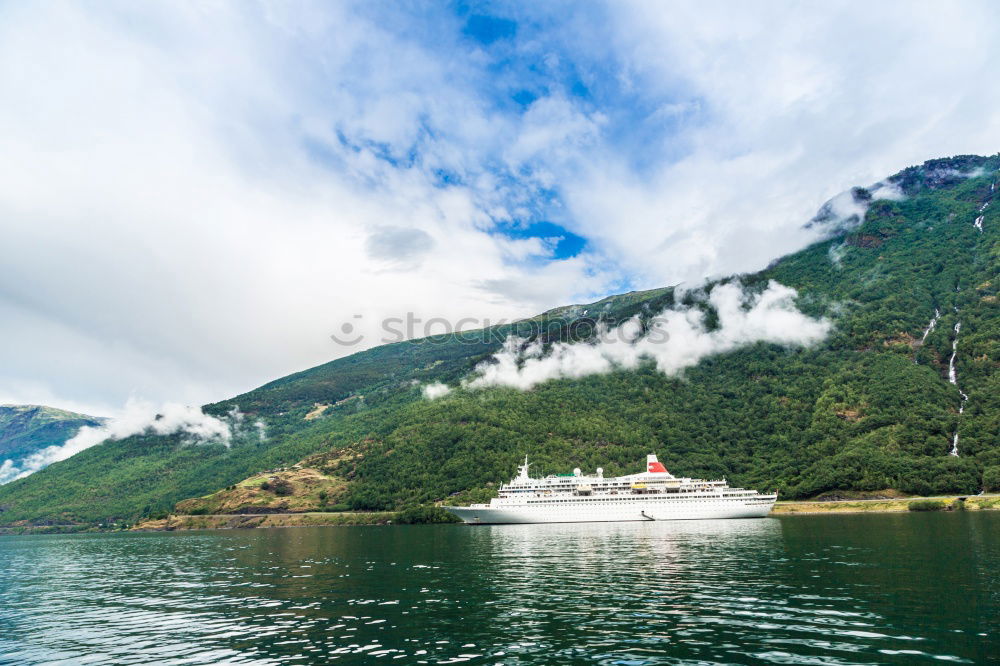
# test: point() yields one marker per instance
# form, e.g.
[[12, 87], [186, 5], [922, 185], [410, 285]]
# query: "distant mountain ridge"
[[27, 429], [886, 401]]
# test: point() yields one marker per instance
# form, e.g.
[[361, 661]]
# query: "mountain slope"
[[143, 475], [871, 407], [27, 429]]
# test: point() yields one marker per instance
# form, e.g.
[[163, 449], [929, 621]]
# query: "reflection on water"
[[802, 590]]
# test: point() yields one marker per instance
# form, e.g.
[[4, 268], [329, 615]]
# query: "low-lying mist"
[[138, 418], [676, 339]]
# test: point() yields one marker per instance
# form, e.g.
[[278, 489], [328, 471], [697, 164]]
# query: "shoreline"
[[344, 519], [181, 522], [184, 522], [889, 505]]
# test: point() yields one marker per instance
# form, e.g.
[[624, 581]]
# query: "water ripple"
[[864, 590]]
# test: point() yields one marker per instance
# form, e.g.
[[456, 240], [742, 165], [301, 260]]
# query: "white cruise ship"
[[655, 494]]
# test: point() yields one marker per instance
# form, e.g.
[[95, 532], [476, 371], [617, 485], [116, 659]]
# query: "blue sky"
[[196, 195]]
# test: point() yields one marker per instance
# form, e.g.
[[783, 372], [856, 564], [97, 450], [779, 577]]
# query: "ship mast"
[[522, 470]]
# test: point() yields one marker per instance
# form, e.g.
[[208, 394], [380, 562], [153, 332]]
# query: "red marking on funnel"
[[656, 468]]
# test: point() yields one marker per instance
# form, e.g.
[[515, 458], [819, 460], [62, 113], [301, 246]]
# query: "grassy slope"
[[305, 489], [869, 409]]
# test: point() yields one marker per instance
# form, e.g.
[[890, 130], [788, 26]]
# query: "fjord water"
[[797, 590]]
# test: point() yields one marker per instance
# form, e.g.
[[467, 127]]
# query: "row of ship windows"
[[602, 486], [648, 497], [681, 491], [627, 500], [625, 503]]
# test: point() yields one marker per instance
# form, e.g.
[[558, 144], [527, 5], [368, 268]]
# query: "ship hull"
[[616, 511]]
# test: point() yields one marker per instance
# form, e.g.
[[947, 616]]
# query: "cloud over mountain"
[[138, 418], [674, 340]]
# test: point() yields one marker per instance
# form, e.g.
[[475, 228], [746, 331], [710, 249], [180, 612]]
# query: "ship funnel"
[[653, 466]]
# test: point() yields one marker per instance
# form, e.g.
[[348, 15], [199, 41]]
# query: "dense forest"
[[871, 407]]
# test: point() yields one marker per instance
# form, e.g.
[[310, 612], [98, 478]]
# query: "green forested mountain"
[[871, 407], [27, 429]]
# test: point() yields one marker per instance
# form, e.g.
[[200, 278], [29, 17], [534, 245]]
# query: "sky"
[[195, 197]]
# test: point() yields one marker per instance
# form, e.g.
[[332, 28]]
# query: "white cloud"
[[172, 237], [887, 191], [792, 103], [193, 197], [674, 340], [137, 418], [435, 390]]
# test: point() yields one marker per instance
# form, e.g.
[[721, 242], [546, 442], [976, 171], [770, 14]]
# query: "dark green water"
[[798, 590]]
